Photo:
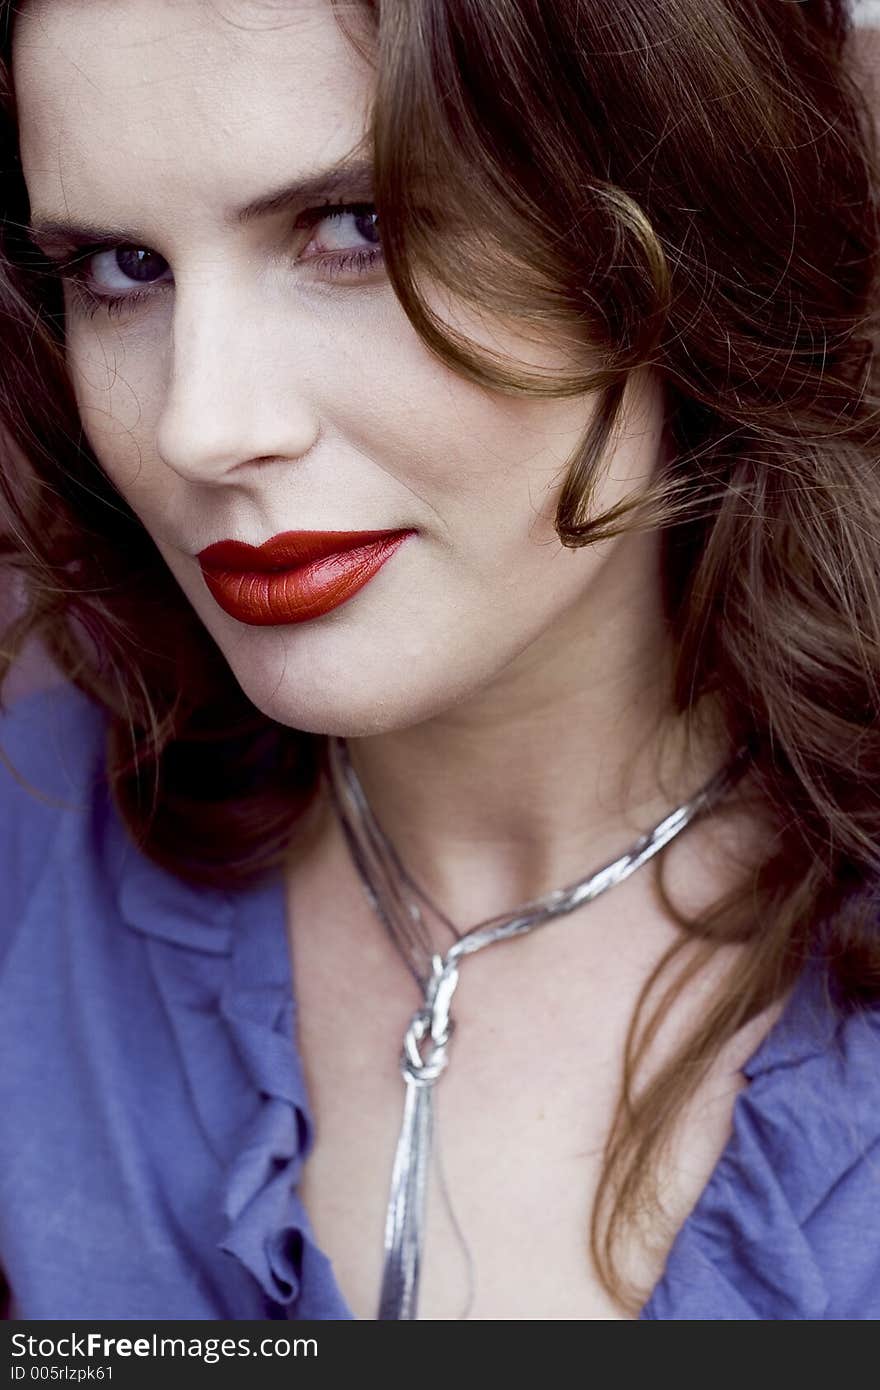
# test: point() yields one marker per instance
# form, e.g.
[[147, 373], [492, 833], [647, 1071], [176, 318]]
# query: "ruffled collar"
[[222, 962]]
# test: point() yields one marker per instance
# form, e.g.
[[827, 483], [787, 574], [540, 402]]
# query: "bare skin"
[[506, 700]]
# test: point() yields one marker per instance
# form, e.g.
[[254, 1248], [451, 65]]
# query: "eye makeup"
[[75, 265]]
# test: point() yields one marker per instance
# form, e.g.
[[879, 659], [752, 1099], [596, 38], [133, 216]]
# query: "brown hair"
[[689, 186]]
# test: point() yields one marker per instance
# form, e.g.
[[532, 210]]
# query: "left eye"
[[339, 221], [118, 269]]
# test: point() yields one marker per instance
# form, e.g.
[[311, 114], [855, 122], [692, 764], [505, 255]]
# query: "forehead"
[[124, 104]]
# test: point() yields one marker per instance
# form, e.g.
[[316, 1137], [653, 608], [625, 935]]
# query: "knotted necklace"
[[424, 1056]]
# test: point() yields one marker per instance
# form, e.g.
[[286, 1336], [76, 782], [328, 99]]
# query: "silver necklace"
[[424, 1056]]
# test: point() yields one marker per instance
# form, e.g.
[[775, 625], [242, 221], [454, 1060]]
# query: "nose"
[[237, 384]]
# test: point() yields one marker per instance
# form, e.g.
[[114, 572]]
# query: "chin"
[[353, 707]]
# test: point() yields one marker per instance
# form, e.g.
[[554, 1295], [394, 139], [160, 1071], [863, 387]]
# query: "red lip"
[[295, 576]]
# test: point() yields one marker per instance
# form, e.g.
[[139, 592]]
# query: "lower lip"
[[265, 599]]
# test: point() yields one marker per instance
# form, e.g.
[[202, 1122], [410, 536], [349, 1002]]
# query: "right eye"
[[113, 278], [112, 272]]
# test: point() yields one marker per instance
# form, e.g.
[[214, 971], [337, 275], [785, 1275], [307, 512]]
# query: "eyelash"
[[335, 264]]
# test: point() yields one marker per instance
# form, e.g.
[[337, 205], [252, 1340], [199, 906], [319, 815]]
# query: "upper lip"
[[287, 550]]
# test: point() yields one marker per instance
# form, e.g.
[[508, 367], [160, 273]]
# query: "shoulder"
[[51, 761], [127, 994], [789, 1225], [35, 726]]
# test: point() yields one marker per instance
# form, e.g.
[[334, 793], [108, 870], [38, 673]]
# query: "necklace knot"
[[418, 1069]]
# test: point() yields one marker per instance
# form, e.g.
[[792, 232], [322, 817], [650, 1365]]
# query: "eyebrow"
[[348, 177]]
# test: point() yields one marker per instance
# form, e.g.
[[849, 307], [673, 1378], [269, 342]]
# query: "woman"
[[400, 582]]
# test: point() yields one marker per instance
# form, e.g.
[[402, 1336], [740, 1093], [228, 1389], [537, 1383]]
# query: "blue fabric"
[[153, 1110]]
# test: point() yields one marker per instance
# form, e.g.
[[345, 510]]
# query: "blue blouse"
[[154, 1118]]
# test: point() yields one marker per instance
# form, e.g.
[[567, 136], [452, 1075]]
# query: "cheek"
[[117, 381], [476, 460]]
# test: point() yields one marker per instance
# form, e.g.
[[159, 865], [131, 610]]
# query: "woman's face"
[[248, 382]]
